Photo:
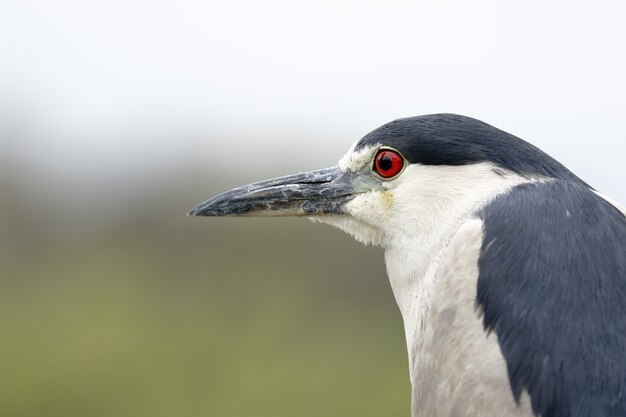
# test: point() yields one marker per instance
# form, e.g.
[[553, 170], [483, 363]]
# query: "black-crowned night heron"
[[509, 270]]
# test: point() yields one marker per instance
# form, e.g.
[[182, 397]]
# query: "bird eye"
[[388, 163]]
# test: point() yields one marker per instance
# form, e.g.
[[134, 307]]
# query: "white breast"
[[456, 368]]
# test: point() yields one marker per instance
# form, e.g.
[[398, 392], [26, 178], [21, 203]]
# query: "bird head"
[[409, 177]]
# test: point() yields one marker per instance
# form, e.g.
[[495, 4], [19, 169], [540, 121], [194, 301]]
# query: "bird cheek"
[[371, 208], [387, 200]]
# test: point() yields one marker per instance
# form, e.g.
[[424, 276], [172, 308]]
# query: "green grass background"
[[154, 314]]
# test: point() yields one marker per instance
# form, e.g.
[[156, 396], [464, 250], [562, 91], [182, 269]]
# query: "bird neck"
[[414, 260], [413, 280]]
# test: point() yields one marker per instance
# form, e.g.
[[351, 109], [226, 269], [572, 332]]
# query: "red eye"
[[388, 163]]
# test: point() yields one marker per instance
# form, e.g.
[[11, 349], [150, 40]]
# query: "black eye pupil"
[[385, 163]]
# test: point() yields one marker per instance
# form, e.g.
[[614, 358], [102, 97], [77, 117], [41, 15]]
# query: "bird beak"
[[305, 194]]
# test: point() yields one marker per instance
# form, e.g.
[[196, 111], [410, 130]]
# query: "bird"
[[509, 270]]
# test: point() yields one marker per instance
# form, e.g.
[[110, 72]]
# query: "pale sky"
[[100, 91]]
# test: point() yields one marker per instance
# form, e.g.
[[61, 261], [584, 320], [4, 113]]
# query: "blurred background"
[[117, 117]]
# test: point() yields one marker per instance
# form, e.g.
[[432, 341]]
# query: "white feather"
[[612, 202], [355, 160]]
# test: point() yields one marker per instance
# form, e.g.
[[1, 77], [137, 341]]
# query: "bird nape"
[[509, 270]]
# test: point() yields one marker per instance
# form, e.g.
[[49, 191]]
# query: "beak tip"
[[195, 212], [208, 210]]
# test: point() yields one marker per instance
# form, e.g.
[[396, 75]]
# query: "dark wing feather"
[[552, 285]]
